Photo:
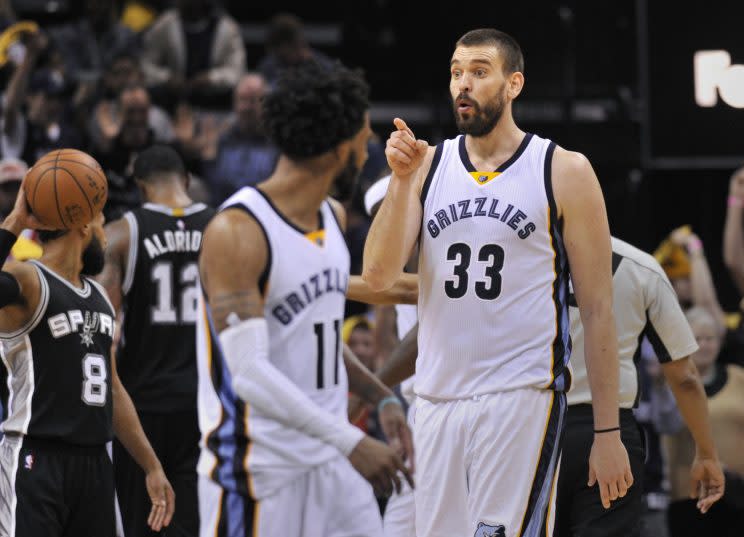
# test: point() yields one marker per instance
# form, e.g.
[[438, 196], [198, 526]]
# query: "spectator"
[[286, 46], [733, 232], [357, 334], [89, 44], [724, 386], [46, 123], [123, 71], [195, 49], [122, 139], [683, 258], [243, 156]]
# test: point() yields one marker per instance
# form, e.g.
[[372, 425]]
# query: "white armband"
[[259, 383]]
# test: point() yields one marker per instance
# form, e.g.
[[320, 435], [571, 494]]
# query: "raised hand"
[[403, 151], [609, 467], [21, 217]]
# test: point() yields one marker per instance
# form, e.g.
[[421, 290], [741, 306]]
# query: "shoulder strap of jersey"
[[40, 309], [131, 219], [98, 287]]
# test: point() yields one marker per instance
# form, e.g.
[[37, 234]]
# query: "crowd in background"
[[126, 76]]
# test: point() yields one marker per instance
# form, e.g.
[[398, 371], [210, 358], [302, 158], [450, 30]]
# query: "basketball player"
[[151, 274], [66, 400], [501, 215], [645, 305], [279, 456]]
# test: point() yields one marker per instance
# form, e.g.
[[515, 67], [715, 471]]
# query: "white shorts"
[[331, 500], [486, 466], [400, 512]]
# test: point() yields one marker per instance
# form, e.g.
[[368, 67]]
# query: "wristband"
[[385, 401], [7, 240], [735, 201], [610, 430]]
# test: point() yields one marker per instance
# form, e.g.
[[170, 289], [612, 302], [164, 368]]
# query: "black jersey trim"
[[538, 503], [132, 252], [263, 280], [187, 211], [40, 309], [335, 217], [287, 220], [432, 170], [561, 346], [84, 292], [501, 169]]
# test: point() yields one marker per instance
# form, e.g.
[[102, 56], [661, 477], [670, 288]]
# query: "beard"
[[345, 181], [482, 120], [93, 259]]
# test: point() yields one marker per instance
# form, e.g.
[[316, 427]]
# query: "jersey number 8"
[[95, 377]]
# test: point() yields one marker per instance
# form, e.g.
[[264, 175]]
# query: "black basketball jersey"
[[59, 365], [156, 359]]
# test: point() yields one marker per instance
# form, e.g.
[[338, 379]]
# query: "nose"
[[464, 83]]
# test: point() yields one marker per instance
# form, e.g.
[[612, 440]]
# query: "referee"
[[645, 306]]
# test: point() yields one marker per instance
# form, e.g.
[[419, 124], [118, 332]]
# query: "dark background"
[[613, 80]]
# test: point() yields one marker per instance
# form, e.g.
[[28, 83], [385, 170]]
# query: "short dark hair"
[[284, 29], [507, 45], [156, 161], [313, 108]]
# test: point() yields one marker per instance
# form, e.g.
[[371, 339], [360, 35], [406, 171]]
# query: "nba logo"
[[483, 179], [29, 462]]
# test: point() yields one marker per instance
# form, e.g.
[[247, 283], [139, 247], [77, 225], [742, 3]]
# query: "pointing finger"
[[401, 126]]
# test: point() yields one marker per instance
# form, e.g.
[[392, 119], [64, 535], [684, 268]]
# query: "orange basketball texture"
[[66, 189]]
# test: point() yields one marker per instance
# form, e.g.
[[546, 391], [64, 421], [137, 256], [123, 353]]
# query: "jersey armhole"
[[263, 280], [432, 171], [38, 313], [131, 253]]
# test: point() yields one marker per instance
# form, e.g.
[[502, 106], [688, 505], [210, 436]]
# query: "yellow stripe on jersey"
[[483, 178], [208, 350], [317, 237], [178, 211]]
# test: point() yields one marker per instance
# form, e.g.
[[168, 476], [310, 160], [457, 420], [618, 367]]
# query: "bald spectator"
[[243, 155], [194, 50], [286, 46]]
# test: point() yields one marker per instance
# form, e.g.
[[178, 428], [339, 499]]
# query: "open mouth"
[[464, 106]]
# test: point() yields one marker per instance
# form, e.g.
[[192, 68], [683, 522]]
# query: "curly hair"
[[313, 108]]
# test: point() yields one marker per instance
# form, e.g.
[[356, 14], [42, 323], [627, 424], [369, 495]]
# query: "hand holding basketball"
[[403, 151], [66, 189], [20, 217]]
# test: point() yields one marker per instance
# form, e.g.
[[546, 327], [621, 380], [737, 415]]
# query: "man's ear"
[[515, 85]]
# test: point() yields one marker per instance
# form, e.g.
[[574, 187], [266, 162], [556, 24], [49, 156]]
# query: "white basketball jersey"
[[493, 293], [304, 291]]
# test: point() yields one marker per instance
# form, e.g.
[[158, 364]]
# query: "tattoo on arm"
[[244, 304]]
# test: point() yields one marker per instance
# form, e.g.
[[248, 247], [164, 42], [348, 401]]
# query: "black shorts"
[[579, 511], [175, 439], [52, 489]]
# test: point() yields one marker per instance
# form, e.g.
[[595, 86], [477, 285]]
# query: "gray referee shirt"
[[645, 305]]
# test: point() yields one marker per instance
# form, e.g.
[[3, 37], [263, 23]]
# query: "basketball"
[[66, 189]]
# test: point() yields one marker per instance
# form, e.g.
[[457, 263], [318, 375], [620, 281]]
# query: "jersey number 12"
[[164, 311]]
